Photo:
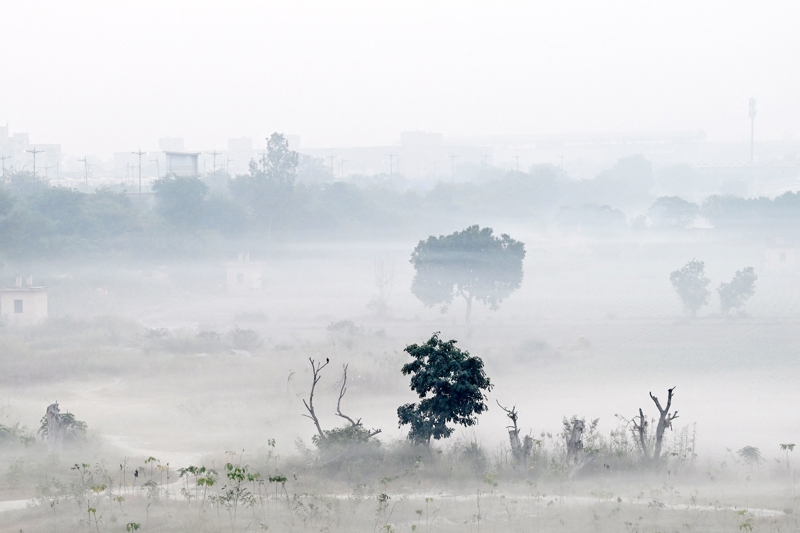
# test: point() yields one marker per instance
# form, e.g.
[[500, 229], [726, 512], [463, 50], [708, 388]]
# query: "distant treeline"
[[271, 203]]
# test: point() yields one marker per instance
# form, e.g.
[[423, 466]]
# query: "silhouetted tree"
[[691, 284], [450, 384], [181, 200], [673, 212], [268, 187], [473, 264], [735, 293]]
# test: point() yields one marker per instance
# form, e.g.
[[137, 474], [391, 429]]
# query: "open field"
[[148, 362]]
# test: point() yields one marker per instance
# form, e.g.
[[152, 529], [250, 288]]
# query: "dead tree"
[[664, 421], [342, 392], [520, 450], [55, 427], [639, 430], [315, 369], [575, 440]]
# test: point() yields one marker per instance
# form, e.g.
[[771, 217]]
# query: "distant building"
[[243, 276], [780, 258], [182, 163], [23, 303]]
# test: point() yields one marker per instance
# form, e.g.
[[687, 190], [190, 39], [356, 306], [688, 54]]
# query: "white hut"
[[243, 276], [23, 303]]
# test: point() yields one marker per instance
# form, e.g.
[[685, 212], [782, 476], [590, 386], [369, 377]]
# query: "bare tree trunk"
[[664, 421], [640, 434], [574, 442], [55, 427], [315, 369], [519, 451]]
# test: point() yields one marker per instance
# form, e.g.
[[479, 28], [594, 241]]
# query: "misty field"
[[194, 398]]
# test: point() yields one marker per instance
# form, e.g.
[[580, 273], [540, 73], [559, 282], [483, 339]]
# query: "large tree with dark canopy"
[[269, 186], [450, 384], [473, 264]]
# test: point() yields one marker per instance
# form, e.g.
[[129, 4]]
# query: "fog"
[[372, 267]]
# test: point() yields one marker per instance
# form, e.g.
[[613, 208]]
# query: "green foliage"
[[734, 294], [472, 263], [74, 429], [750, 455], [181, 200], [268, 188], [450, 384], [339, 439], [691, 284], [673, 212]]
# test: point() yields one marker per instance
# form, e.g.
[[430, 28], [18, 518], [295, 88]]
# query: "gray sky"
[[104, 76]]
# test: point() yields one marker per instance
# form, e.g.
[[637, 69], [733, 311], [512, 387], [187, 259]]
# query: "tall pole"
[[140, 154], [752, 129], [215, 154], [158, 167], [86, 170], [391, 165], [517, 158], [331, 157], [228, 165], [34, 152], [341, 168], [453, 166], [3, 159]]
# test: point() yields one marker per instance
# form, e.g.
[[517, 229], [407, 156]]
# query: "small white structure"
[[23, 304], [244, 276], [780, 259], [182, 163]]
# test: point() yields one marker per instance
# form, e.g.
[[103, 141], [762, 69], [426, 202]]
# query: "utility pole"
[[331, 157], [485, 160], [3, 159], [453, 166], [86, 170], [140, 154], [752, 129], [158, 167], [341, 168], [215, 154], [517, 158], [391, 161], [34, 152], [228, 165]]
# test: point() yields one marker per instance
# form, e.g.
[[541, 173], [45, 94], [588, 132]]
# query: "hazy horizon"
[[99, 78]]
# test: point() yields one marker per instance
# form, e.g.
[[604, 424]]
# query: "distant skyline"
[[114, 76]]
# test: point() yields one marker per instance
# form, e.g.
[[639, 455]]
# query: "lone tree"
[[472, 263], [450, 384], [268, 187], [691, 284], [734, 294]]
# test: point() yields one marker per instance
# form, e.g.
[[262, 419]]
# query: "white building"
[[780, 259], [243, 276], [23, 304]]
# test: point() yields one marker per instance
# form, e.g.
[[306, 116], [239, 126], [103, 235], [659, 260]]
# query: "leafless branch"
[[511, 414], [342, 392], [315, 369]]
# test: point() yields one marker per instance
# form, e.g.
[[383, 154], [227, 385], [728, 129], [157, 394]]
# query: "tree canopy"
[[450, 384], [691, 284], [735, 293], [267, 189], [472, 263]]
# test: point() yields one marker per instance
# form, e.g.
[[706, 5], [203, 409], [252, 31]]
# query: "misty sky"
[[99, 77]]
